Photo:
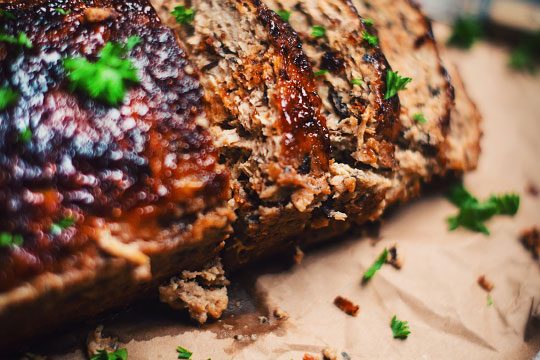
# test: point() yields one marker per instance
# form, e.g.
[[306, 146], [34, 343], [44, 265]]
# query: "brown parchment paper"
[[436, 290]]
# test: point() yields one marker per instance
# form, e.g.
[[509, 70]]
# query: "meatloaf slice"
[[99, 202]]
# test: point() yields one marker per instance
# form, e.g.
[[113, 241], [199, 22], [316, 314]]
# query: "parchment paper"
[[436, 290]]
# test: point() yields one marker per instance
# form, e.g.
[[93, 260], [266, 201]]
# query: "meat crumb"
[[485, 283], [298, 255], [346, 306], [263, 320], [532, 190], [310, 357], [202, 293], [393, 259], [97, 14], [530, 238], [329, 354], [96, 342], [281, 314]]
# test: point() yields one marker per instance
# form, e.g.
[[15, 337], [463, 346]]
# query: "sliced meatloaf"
[[99, 202]]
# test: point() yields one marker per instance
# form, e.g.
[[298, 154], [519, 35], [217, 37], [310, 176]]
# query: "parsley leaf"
[[419, 118], [7, 14], [318, 31], [466, 31], [8, 97], [473, 213], [8, 239], [107, 78], [320, 72], [21, 39], [285, 15], [358, 82], [372, 40], [400, 329], [368, 21], [489, 300], [395, 83], [62, 11], [183, 353], [25, 135], [120, 354], [56, 228], [183, 15], [376, 265]]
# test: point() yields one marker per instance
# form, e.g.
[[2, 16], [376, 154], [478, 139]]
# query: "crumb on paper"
[[96, 341], [239, 337], [202, 293], [329, 354], [98, 14], [310, 357], [485, 283], [345, 356], [393, 258], [532, 189], [281, 314], [530, 238], [346, 306], [298, 255]]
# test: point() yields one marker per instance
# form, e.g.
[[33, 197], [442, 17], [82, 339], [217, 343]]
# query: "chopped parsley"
[[107, 78], [318, 31], [9, 239], [285, 15], [21, 39], [358, 82], [473, 213], [465, 32], [489, 300], [183, 15], [7, 14], [400, 329], [372, 40], [368, 21], [320, 72], [62, 11], [120, 354], [376, 265], [419, 118], [395, 83], [25, 135], [8, 97], [183, 353], [526, 56], [56, 228]]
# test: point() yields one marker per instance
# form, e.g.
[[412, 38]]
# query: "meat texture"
[[103, 200]]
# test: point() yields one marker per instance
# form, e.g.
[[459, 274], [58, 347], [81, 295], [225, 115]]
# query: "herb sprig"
[[8, 97], [474, 213], [320, 72], [400, 329], [21, 40], [61, 11], [183, 353], [358, 82], [285, 15], [372, 40], [376, 266], [183, 15], [120, 354], [8, 239], [419, 118], [63, 224], [466, 31], [318, 31], [395, 83], [7, 14]]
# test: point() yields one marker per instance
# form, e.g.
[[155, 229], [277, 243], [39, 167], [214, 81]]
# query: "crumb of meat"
[[485, 283], [346, 306], [281, 314], [202, 293], [329, 354], [96, 342], [97, 14], [298, 255], [263, 320], [393, 258], [310, 357], [532, 190], [530, 238]]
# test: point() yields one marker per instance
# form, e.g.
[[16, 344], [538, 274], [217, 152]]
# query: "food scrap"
[[376, 266], [329, 354], [400, 329], [346, 306], [485, 283], [532, 190], [530, 238], [97, 345], [310, 357], [281, 314], [298, 255], [393, 259], [183, 353]]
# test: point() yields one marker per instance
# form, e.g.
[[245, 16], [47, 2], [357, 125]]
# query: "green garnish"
[[120, 354], [376, 265], [285, 15], [7, 14], [320, 72], [489, 300], [183, 15], [473, 213], [8, 97], [419, 118], [62, 11], [25, 135], [318, 31], [395, 83], [183, 353], [358, 82], [21, 39], [400, 329], [466, 30], [107, 78], [370, 39], [368, 21], [526, 56], [56, 228], [8, 239]]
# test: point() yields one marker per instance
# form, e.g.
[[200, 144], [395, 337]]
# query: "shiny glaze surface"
[[134, 164]]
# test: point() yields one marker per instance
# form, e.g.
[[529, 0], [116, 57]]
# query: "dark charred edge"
[[287, 42], [389, 109]]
